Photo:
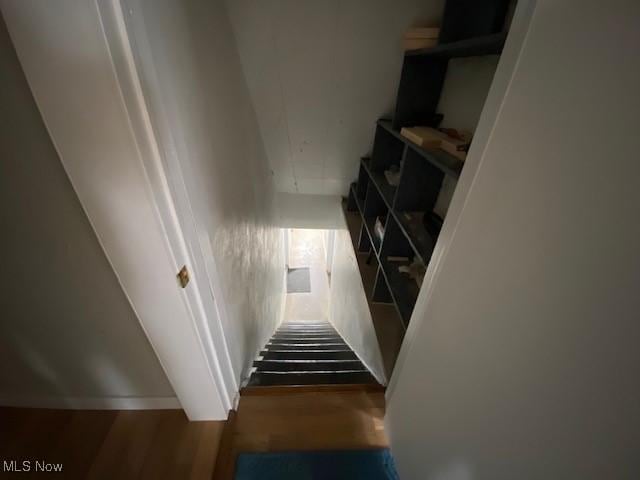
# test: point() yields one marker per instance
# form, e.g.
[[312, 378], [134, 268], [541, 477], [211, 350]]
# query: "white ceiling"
[[319, 74]]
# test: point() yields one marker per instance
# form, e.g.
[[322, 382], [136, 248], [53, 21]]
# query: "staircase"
[[308, 353]]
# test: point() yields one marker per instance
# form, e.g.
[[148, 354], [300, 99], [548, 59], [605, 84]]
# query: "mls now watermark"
[[30, 466]]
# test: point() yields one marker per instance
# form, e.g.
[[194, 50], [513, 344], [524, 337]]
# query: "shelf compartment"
[[396, 244], [373, 238], [396, 251], [403, 289], [380, 292], [422, 242], [472, 47], [363, 241], [419, 90], [471, 19], [387, 150], [419, 187], [442, 160], [353, 196], [388, 192], [387, 322], [361, 184], [374, 207], [420, 184], [352, 201]]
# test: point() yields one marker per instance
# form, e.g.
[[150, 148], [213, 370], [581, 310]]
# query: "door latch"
[[183, 276]]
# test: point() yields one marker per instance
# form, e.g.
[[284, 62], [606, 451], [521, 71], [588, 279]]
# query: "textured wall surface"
[[199, 90], [66, 328], [296, 210]]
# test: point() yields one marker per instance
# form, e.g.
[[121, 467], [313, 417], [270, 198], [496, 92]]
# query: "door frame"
[[92, 104], [204, 299]]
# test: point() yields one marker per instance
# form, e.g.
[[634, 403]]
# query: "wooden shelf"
[[388, 324], [422, 242], [472, 47], [403, 289], [446, 162], [469, 28]]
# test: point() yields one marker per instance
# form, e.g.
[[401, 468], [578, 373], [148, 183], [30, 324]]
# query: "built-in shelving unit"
[[406, 210]]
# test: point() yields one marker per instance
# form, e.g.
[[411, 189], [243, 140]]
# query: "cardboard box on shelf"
[[453, 149], [431, 138], [422, 136], [421, 37]]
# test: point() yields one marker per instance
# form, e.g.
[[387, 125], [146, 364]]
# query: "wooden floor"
[[163, 444], [324, 420], [151, 444]]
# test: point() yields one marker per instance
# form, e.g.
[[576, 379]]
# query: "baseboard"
[[91, 403]]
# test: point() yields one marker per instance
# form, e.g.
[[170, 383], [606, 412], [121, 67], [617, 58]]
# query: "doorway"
[[309, 256]]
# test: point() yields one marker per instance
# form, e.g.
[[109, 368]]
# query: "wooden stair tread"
[[310, 378], [307, 346], [308, 354], [288, 389], [308, 365]]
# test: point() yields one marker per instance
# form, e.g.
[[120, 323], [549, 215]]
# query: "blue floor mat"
[[338, 465]]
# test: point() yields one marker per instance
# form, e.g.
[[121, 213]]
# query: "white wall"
[[71, 71], [329, 242], [320, 74], [465, 89], [205, 123], [69, 337], [309, 211], [348, 308], [523, 360]]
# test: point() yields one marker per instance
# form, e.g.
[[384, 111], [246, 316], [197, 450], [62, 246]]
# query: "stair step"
[[311, 378], [307, 365], [300, 333], [308, 355], [307, 346], [310, 326], [306, 334], [262, 390], [308, 341], [305, 322]]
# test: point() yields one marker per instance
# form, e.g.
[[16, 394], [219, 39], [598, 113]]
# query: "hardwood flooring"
[[109, 444], [277, 419], [163, 444]]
